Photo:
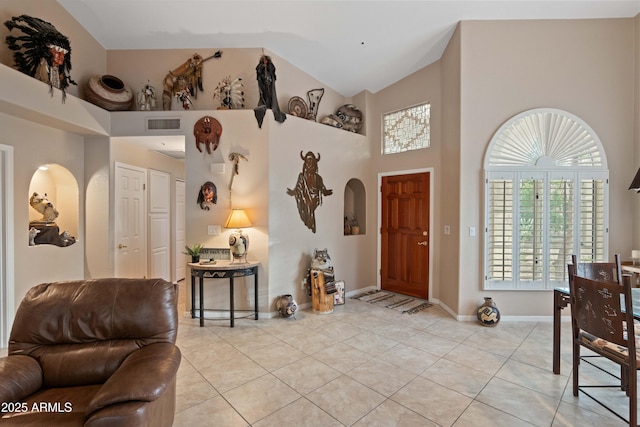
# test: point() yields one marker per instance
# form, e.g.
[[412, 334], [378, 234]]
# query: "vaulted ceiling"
[[349, 45]]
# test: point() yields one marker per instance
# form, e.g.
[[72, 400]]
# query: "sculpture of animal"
[[321, 260], [33, 232], [207, 131], [42, 205]]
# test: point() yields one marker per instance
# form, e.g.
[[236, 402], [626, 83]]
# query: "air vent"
[[164, 124]]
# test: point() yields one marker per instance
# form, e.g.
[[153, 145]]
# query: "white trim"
[[431, 172], [7, 272]]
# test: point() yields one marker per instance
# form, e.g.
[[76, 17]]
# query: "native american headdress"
[[39, 42]]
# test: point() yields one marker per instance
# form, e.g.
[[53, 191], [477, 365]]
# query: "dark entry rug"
[[402, 303]]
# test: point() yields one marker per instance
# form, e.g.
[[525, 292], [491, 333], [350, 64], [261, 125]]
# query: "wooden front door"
[[405, 234]]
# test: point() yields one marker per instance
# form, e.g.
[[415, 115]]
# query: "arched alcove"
[[61, 189], [355, 199]]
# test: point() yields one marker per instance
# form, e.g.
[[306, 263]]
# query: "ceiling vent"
[[163, 124]]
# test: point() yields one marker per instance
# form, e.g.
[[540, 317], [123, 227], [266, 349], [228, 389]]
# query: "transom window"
[[406, 129], [546, 198]]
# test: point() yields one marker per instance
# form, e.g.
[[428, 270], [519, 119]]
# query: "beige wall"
[[419, 87], [87, 55], [450, 267], [636, 135], [278, 238], [35, 145], [585, 67], [344, 155]]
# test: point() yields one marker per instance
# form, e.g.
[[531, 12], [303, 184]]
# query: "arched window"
[[546, 198]]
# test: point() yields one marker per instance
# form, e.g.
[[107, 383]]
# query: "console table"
[[222, 270]]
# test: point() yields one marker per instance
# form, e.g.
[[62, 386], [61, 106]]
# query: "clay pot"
[[109, 92], [286, 305], [488, 313]]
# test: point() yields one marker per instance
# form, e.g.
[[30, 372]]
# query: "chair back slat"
[[600, 271], [598, 309]]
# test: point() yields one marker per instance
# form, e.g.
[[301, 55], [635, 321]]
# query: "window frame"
[[383, 147], [587, 163], [546, 176]]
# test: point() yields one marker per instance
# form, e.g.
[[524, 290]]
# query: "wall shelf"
[[27, 98]]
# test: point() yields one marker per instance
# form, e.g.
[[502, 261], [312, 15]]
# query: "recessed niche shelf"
[[61, 190], [355, 202]]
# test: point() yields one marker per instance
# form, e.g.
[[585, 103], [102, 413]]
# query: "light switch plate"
[[213, 230]]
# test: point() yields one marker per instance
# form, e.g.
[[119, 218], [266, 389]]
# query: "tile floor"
[[364, 365]]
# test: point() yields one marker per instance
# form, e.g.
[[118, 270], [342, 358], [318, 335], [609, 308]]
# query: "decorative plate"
[[298, 108]]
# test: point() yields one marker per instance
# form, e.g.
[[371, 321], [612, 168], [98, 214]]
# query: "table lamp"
[[238, 242]]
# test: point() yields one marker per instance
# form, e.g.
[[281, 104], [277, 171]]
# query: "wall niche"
[[355, 198], [59, 189]]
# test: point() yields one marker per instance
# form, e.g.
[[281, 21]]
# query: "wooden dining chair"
[[601, 271], [600, 322]]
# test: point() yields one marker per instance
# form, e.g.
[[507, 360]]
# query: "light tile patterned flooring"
[[364, 365]]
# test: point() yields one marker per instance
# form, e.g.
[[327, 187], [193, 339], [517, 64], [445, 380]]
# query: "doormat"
[[401, 303]]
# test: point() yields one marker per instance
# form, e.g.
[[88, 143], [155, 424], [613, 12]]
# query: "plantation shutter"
[[501, 204]]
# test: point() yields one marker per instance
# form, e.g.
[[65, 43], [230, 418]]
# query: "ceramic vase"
[[109, 92], [488, 313]]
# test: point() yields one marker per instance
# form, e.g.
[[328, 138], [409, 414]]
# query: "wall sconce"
[[238, 242], [635, 184]]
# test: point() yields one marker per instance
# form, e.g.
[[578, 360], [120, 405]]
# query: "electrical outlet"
[[472, 231], [213, 230], [447, 229]]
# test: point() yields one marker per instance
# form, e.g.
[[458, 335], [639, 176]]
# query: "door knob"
[[120, 246], [423, 243]]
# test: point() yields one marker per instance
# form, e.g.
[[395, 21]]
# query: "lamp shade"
[[635, 184], [237, 219]]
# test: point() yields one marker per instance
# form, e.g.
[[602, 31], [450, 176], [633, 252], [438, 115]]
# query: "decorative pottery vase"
[[286, 305], [109, 92], [195, 258], [488, 313]]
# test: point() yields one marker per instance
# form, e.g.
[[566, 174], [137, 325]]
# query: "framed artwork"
[[222, 254], [338, 297]]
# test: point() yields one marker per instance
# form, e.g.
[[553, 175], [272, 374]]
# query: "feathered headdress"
[[39, 42], [230, 93]]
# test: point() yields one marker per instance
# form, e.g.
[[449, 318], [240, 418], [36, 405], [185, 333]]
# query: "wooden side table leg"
[[201, 301], [255, 291], [193, 296], [231, 300]]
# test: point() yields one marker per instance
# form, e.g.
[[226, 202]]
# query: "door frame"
[[430, 171], [7, 261]]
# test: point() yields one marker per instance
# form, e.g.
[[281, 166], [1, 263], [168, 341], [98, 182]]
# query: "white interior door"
[[181, 233], [130, 221], [159, 224]]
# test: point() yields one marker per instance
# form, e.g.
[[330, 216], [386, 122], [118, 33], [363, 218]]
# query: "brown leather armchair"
[[94, 353]]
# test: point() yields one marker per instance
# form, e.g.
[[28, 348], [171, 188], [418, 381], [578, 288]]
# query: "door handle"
[[120, 246], [423, 243]]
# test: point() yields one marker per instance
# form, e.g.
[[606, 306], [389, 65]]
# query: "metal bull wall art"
[[309, 190]]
